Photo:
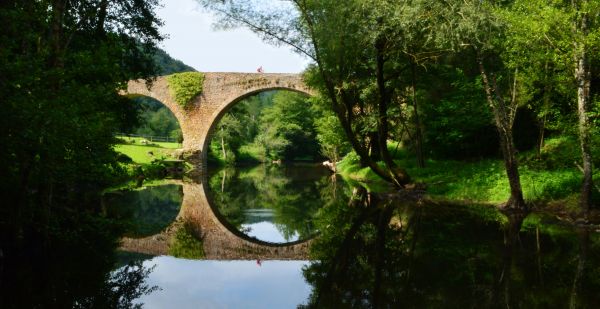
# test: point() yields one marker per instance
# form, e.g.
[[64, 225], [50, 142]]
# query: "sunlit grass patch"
[[144, 154]]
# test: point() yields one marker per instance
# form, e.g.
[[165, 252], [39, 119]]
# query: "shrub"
[[185, 86]]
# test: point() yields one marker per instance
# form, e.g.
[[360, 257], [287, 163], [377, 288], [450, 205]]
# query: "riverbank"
[[550, 180], [141, 160]]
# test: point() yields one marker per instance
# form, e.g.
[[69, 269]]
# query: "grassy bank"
[[142, 151], [142, 159], [554, 176]]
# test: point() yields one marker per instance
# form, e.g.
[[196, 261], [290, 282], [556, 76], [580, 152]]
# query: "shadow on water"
[[150, 209], [387, 253], [71, 266]]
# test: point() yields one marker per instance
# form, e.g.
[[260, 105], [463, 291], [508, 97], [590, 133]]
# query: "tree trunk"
[[545, 108], [583, 79], [223, 145], [56, 33], [399, 176], [375, 148], [338, 107], [102, 11], [418, 133], [504, 120], [579, 280]]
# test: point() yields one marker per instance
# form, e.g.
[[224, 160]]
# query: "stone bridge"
[[220, 240], [220, 92]]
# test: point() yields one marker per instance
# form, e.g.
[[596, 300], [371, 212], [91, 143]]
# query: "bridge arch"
[[227, 106], [220, 92]]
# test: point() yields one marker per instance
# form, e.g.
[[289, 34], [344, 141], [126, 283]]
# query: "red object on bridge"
[[260, 69]]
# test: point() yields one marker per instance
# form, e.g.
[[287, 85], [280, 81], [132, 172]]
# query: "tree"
[[586, 34], [226, 134], [478, 26], [62, 65], [563, 39], [355, 66], [287, 128]]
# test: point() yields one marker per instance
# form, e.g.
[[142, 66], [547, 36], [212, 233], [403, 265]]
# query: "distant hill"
[[167, 65]]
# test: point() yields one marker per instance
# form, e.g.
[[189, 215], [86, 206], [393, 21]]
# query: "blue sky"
[[193, 41], [225, 284]]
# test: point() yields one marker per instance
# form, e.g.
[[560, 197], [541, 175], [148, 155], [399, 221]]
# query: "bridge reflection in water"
[[220, 240]]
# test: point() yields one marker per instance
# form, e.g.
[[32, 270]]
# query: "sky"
[[192, 39], [225, 284]]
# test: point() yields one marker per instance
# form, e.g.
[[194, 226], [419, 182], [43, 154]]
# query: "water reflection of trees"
[[72, 267], [379, 253], [293, 195], [150, 210]]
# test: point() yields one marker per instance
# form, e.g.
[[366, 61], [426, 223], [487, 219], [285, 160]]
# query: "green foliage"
[[63, 66], [185, 244], [458, 124], [150, 210], [287, 128], [156, 119], [185, 86], [330, 134], [270, 126], [167, 65], [292, 194]]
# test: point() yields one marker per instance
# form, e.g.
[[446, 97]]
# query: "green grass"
[[139, 140], [141, 154], [554, 177]]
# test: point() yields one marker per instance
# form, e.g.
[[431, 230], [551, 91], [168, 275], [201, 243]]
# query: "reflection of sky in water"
[[267, 231], [225, 284], [259, 224]]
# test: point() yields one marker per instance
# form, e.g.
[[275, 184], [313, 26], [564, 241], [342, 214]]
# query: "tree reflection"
[[377, 252], [290, 196], [71, 268], [149, 210]]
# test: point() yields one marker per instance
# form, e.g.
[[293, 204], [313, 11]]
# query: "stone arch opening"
[[157, 118], [227, 107]]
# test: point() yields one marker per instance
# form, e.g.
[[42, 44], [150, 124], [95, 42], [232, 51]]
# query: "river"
[[288, 237]]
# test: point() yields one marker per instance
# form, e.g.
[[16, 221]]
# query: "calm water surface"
[[371, 251]]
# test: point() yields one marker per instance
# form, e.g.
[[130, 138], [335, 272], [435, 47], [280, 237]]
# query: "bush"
[[185, 86], [185, 245]]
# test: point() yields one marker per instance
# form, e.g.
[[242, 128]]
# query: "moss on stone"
[[185, 86]]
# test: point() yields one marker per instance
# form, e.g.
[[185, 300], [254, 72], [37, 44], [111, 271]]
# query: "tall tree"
[[357, 55], [585, 15], [478, 26], [564, 39], [62, 64]]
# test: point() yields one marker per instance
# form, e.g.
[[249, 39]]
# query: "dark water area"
[[276, 237]]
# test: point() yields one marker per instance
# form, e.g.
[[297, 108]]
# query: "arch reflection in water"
[[270, 203], [197, 231]]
